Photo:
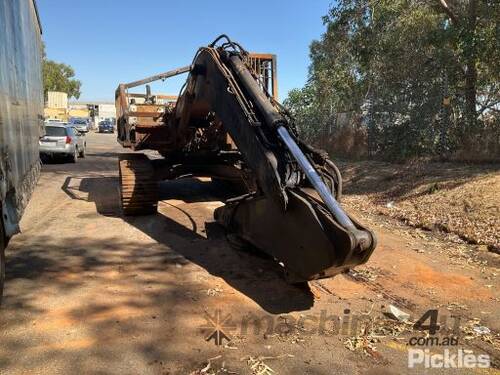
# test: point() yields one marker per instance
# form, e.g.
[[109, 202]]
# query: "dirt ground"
[[90, 291], [455, 198]]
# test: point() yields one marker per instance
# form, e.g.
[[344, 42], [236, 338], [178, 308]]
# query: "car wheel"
[[82, 152], [2, 260], [74, 157]]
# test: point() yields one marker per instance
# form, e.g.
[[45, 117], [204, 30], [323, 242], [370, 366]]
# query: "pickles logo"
[[218, 327], [451, 357]]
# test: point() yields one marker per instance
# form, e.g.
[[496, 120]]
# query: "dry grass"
[[456, 198]]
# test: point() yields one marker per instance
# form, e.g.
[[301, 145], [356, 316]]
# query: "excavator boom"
[[227, 124]]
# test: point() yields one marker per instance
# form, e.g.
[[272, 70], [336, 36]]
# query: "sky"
[[112, 41]]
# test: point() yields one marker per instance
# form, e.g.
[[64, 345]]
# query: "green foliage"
[[59, 77], [303, 108], [391, 64]]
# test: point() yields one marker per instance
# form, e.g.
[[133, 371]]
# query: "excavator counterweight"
[[228, 125]]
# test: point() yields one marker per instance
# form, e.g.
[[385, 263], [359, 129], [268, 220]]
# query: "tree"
[[303, 107], [59, 77], [408, 59], [467, 25]]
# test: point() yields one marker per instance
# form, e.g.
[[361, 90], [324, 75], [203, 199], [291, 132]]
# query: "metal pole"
[[315, 179], [157, 77]]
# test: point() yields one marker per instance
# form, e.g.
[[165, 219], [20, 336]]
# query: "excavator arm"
[[226, 125]]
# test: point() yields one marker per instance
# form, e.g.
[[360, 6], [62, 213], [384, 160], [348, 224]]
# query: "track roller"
[[138, 185]]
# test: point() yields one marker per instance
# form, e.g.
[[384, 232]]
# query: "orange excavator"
[[227, 124]]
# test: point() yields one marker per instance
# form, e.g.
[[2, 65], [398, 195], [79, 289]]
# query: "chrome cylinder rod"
[[313, 176]]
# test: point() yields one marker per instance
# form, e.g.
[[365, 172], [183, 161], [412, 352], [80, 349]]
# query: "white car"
[[64, 140]]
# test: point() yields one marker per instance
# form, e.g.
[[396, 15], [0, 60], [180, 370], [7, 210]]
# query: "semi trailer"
[[21, 114]]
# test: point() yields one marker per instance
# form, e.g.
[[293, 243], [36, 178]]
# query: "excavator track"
[[138, 185]]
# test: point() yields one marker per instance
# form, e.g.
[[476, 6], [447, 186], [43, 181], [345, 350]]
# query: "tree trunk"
[[470, 69]]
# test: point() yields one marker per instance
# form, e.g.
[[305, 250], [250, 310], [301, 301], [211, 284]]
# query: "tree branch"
[[448, 11]]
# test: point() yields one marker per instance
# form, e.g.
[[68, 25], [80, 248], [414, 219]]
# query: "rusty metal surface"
[[134, 125], [140, 118], [21, 106], [265, 67], [309, 242], [226, 123], [157, 77], [138, 187]]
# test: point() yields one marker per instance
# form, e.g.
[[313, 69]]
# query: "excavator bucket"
[[304, 239]]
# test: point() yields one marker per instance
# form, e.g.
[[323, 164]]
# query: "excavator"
[[227, 124]]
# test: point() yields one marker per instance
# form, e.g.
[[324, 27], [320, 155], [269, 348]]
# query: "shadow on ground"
[[105, 290], [251, 273]]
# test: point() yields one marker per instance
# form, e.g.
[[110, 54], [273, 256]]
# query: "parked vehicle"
[[81, 124], [21, 114], [63, 140], [106, 127]]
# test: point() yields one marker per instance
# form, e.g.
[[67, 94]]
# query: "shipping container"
[[56, 99]]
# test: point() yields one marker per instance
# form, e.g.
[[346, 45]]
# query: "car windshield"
[[55, 131], [79, 122]]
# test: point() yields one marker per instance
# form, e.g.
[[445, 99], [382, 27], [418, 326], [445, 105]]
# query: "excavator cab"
[[227, 124]]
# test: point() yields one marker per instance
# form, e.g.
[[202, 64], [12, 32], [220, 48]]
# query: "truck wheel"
[[2, 261], [138, 185]]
